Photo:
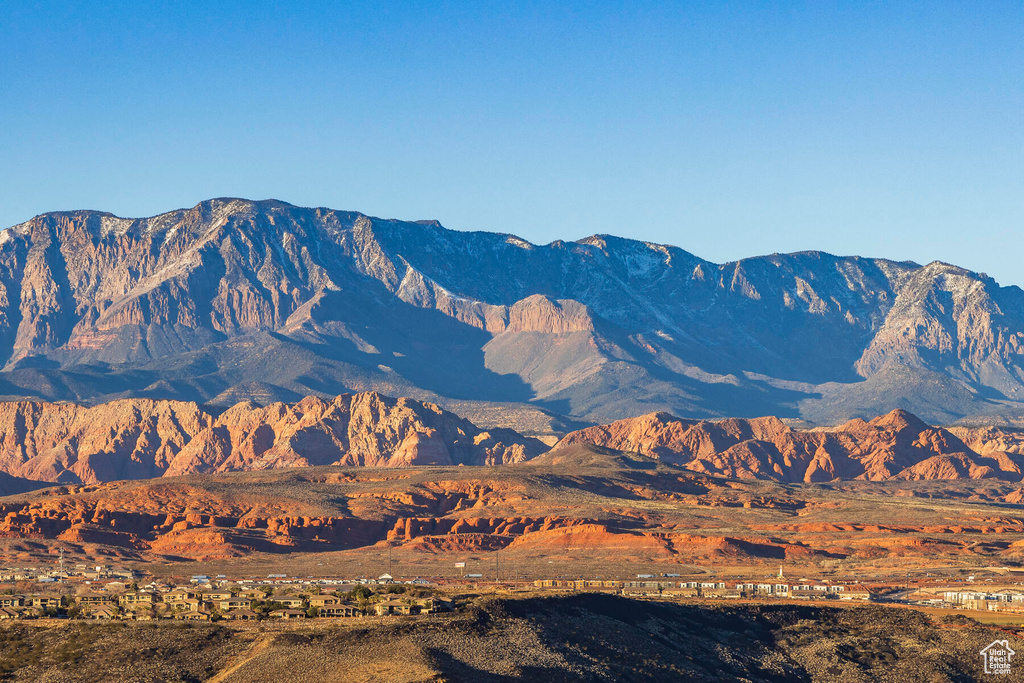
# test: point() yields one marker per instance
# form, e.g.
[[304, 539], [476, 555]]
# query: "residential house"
[[95, 599], [288, 614], [179, 596], [856, 595], [323, 600], [12, 601], [138, 615], [233, 603], [103, 612], [47, 601], [192, 616], [339, 609], [241, 614], [141, 599], [423, 605], [187, 605], [217, 596], [391, 607]]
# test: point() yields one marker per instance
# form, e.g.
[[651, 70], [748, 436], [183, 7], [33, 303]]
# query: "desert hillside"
[[574, 638], [593, 508]]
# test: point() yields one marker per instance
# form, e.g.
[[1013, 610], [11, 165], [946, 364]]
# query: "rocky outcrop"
[[65, 442], [235, 299], [897, 445], [573, 506], [987, 440], [141, 438]]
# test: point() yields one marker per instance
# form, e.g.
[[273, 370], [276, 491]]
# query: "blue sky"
[[731, 130]]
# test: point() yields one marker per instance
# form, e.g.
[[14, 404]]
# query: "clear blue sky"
[[731, 130]]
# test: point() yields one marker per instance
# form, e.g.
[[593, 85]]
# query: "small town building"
[[88, 599], [12, 601], [339, 609], [233, 603], [217, 596], [392, 607], [103, 612], [241, 615], [323, 600], [288, 614], [179, 596], [139, 598], [192, 616], [47, 601]]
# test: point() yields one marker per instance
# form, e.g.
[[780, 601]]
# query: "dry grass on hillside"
[[576, 638]]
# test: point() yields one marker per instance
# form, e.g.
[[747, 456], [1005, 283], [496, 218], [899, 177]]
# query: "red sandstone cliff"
[[893, 446], [141, 438]]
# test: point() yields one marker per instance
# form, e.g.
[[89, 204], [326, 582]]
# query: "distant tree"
[[361, 593], [267, 606], [312, 612]]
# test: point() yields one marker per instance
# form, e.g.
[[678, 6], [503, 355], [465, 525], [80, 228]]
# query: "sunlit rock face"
[[897, 445], [234, 300], [142, 438]]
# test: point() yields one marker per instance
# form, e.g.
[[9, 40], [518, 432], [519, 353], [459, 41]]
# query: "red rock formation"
[[893, 446], [141, 438]]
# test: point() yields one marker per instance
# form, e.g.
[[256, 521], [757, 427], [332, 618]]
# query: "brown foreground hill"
[[499, 640], [583, 509]]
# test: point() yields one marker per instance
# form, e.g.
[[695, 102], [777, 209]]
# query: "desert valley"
[[445, 342], [222, 414]]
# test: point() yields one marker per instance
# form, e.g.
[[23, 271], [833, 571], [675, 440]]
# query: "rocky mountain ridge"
[[142, 438], [131, 439], [235, 299], [894, 446]]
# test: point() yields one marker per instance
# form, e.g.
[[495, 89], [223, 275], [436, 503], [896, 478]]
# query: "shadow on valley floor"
[[586, 637]]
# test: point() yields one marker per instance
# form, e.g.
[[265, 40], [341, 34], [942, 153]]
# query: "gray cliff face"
[[234, 300]]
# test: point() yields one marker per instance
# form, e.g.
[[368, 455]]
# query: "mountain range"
[[895, 446], [129, 439], [236, 300], [142, 438]]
